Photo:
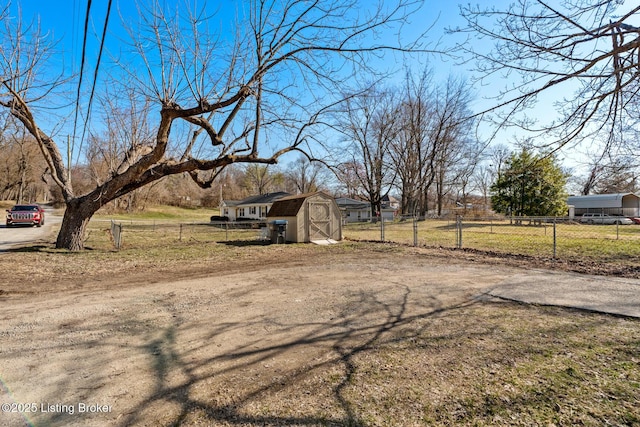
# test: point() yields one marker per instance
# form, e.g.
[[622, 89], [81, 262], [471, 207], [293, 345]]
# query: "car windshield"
[[24, 208]]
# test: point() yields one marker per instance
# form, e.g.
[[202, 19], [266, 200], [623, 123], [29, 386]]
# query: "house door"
[[319, 219]]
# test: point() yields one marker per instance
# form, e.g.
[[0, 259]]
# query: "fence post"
[[381, 229], [415, 231], [180, 238], [459, 232], [116, 233], [555, 242]]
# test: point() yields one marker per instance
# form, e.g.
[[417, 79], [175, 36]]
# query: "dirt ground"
[[280, 339]]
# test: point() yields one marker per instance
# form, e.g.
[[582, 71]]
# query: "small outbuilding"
[[312, 217], [626, 204]]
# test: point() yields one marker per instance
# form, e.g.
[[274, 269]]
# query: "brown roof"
[[289, 206]]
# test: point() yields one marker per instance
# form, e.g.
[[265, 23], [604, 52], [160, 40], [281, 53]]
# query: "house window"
[[241, 212], [252, 210]]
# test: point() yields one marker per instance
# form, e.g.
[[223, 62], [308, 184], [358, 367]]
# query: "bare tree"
[[22, 169], [306, 176], [434, 141], [491, 163], [611, 175], [369, 125], [262, 179], [410, 149], [347, 175], [549, 50], [481, 181], [454, 151], [217, 103]]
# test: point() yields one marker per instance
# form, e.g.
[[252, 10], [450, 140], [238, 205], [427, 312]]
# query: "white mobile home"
[[625, 204], [360, 211]]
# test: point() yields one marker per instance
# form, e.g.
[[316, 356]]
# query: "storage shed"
[[626, 204], [312, 217]]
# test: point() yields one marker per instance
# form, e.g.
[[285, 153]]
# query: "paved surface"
[[11, 237], [613, 295]]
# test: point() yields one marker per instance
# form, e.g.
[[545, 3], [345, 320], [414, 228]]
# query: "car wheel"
[[618, 222]]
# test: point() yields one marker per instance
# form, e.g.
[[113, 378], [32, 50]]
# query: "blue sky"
[[65, 21]]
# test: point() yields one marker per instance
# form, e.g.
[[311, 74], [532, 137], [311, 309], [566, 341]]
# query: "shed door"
[[319, 219]]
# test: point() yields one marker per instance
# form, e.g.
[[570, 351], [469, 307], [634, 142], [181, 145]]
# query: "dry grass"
[[482, 365], [477, 364], [574, 242]]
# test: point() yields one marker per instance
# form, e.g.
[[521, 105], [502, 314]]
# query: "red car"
[[25, 214]]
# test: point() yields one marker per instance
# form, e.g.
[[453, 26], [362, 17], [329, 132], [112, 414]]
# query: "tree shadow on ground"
[[245, 243], [362, 326], [203, 383], [343, 338], [28, 249]]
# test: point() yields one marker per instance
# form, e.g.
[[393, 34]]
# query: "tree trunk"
[[74, 224], [376, 211]]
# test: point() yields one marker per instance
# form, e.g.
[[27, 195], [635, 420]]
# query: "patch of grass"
[[482, 365], [599, 243], [163, 213], [6, 204]]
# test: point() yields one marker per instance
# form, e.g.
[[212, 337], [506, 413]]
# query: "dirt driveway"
[[224, 349]]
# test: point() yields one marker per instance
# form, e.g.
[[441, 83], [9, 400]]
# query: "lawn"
[[360, 334], [573, 241], [583, 248]]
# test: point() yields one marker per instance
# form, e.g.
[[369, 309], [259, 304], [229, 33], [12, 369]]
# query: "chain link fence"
[[539, 236], [153, 233], [536, 236]]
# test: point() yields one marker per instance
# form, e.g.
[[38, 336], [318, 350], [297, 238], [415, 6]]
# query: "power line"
[[84, 51], [95, 72]]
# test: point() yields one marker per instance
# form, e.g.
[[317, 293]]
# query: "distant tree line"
[[415, 141], [22, 168]]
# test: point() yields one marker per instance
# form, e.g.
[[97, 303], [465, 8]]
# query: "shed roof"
[[287, 206], [388, 198], [290, 206], [600, 200]]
